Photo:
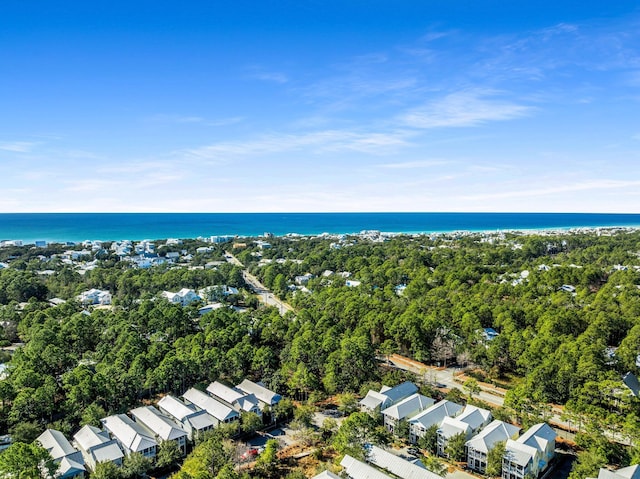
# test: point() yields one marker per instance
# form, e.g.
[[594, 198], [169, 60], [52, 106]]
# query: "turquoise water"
[[30, 227]]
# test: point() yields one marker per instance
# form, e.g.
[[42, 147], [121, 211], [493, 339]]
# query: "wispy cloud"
[[414, 164], [320, 141], [18, 146], [275, 77], [604, 184], [463, 109]]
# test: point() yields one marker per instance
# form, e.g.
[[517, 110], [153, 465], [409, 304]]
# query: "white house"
[[630, 472], [95, 296], [530, 453], [161, 426], [264, 395], [218, 410], [431, 416], [239, 400], [131, 437], [479, 446], [193, 421], [69, 459], [183, 297], [468, 422], [96, 446], [387, 396], [405, 409]]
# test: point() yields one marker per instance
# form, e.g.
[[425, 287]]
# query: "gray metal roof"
[[55, 442], [397, 465], [262, 393], [436, 413], [132, 436], [408, 407], [158, 423], [494, 433], [218, 410], [359, 470]]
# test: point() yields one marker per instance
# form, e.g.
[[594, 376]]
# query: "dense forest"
[[566, 307]]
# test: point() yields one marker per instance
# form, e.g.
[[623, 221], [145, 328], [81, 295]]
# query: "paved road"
[[264, 295], [488, 393]]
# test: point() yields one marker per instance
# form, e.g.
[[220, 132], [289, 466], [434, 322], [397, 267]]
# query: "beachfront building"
[[431, 416], [404, 410], [96, 446], [193, 421], [221, 412], [530, 454], [130, 436], [68, 458], [386, 397], [479, 446], [163, 428]]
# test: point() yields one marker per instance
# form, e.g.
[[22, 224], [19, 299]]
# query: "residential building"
[[131, 437], [265, 396], [218, 410], [326, 475], [239, 400], [96, 446], [355, 469], [398, 466], [183, 297], [530, 454], [431, 416], [630, 472], [378, 401], [191, 420], [160, 425], [404, 410], [69, 459], [468, 422], [95, 296], [479, 446]]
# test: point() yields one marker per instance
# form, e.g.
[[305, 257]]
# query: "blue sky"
[[448, 105]]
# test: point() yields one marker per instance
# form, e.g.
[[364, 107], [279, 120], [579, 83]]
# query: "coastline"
[[78, 227]]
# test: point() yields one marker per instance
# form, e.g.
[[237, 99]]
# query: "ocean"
[[61, 227]]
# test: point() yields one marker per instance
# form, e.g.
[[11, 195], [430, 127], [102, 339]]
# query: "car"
[[414, 451], [250, 453]]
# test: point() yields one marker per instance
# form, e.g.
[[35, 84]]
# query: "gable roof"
[[175, 408], [373, 400], [398, 466], [631, 381], [474, 416], [57, 445], [436, 413], [262, 393], [538, 436], [401, 391], [89, 436], [131, 435], [359, 470], [451, 426], [218, 410], [519, 453], [326, 475], [157, 423], [408, 406], [630, 472], [494, 433]]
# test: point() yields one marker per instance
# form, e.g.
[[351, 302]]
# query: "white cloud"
[[554, 190], [463, 109], [320, 141], [275, 77], [18, 146], [414, 164]]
